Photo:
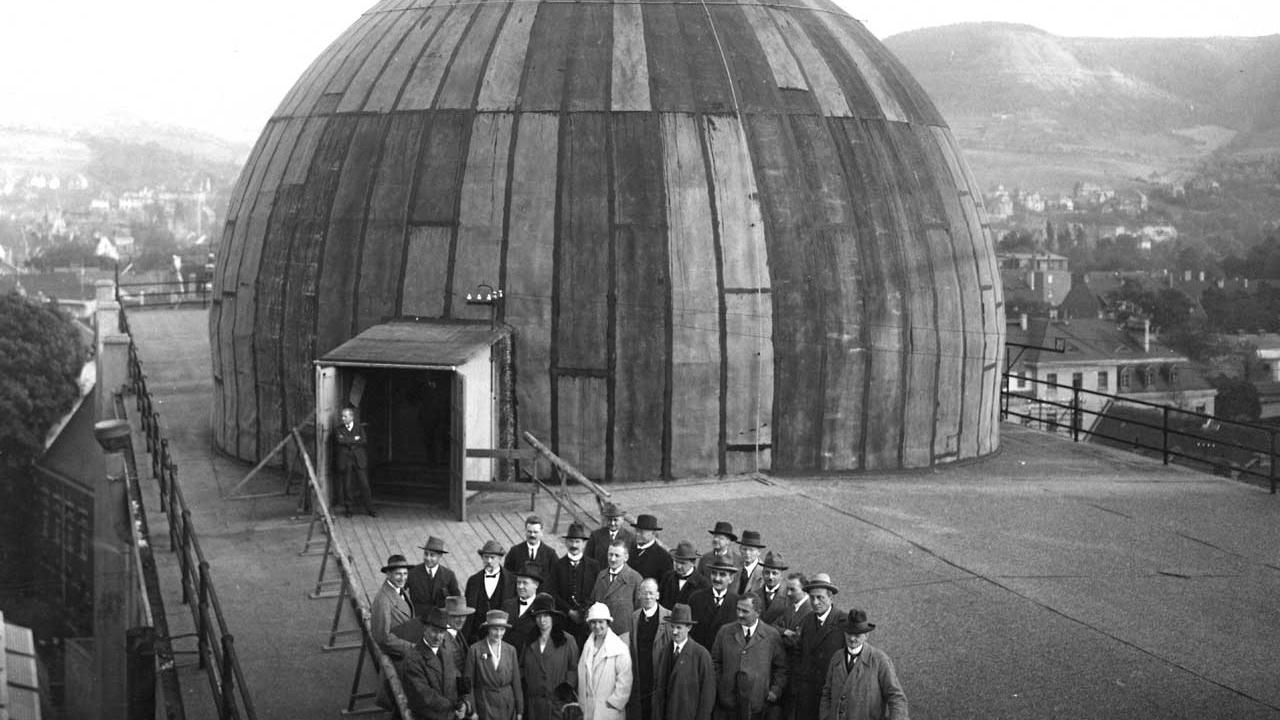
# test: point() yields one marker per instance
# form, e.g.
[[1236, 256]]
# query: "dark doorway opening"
[[408, 415]]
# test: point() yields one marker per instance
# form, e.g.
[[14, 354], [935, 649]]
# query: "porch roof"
[[414, 344]]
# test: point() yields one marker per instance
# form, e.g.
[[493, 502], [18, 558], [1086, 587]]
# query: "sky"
[[223, 66]]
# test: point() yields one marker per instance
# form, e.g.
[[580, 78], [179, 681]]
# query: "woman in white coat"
[[604, 669]]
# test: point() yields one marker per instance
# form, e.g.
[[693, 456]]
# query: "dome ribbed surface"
[[731, 235]]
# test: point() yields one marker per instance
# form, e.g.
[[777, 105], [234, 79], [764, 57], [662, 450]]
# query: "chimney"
[[1022, 321], [1146, 335]]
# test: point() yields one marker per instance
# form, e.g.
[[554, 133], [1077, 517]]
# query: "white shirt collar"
[[649, 613], [647, 545], [823, 616], [752, 628]]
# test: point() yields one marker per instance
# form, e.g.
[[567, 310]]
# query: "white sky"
[[222, 66]]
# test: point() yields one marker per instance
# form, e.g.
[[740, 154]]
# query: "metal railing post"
[[184, 561], [1164, 434], [228, 678], [1272, 472], [202, 619], [1075, 413]]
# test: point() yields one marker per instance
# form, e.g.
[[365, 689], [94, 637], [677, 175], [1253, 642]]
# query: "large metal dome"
[[731, 234]]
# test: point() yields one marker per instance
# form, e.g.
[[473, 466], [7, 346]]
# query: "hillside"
[[1035, 109]]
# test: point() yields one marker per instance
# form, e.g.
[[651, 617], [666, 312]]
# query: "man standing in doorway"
[[353, 462]]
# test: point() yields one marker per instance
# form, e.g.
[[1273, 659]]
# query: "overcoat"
[[619, 595], [870, 692], [687, 690], [604, 679], [809, 672], [431, 681], [518, 556], [388, 612], [496, 692], [710, 618], [755, 580], [598, 543], [731, 557], [642, 662], [543, 671], [652, 562], [427, 592], [523, 627], [761, 660], [773, 606], [670, 592]]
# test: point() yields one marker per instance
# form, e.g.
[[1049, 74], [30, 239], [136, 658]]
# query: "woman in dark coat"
[[548, 661], [494, 672]]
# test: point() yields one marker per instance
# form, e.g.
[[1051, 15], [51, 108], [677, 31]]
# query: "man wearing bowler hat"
[[861, 683], [647, 556], [572, 579], [714, 606], [391, 609], [487, 589], [523, 625], [431, 672], [722, 539], [684, 676], [430, 582], [532, 550], [679, 585], [602, 537], [751, 579], [820, 638]]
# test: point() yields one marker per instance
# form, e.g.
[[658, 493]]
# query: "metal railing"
[[1187, 437], [164, 294], [216, 653]]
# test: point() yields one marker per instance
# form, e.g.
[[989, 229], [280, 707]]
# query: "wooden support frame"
[[289, 472]]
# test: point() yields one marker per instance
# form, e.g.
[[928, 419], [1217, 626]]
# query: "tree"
[[40, 360], [1237, 399]]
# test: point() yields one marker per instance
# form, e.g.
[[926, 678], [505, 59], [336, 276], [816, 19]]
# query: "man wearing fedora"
[[679, 585], [455, 606], [616, 586], [573, 577], [861, 683], [714, 606], [392, 608], [751, 666], [647, 632], [646, 555], [772, 589], [430, 674], [488, 588], [684, 683], [532, 550], [602, 537], [430, 582], [523, 625], [820, 638], [751, 579], [722, 539]]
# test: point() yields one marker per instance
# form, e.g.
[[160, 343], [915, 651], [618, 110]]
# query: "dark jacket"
[[352, 446], [654, 562], [543, 671], [431, 681], [482, 603], [817, 645], [686, 688], [519, 555], [710, 618], [670, 592], [572, 587], [523, 627], [748, 670], [427, 592], [598, 544]]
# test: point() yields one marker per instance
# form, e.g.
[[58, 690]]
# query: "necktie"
[[746, 634], [612, 576], [719, 600]]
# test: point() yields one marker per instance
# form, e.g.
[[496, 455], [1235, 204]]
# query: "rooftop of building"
[[1049, 579]]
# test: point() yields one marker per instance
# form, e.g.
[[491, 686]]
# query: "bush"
[[40, 360]]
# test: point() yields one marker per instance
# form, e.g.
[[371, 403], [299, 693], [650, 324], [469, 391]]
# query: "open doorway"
[[410, 431]]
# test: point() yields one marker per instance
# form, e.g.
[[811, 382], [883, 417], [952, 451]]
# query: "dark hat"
[[773, 559], [612, 510], [723, 566], [457, 605], [726, 529], [543, 604], [577, 530], [856, 623], [646, 522], [531, 570], [434, 544], [681, 615], [685, 551], [491, 547], [437, 617], [496, 618], [821, 580], [396, 562], [751, 538]]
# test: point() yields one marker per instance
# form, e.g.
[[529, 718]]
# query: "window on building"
[[1200, 408], [1052, 379], [1124, 379], [1077, 380], [1104, 383], [1022, 381]]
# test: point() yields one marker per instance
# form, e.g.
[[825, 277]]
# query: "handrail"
[[214, 640], [355, 591], [563, 466], [167, 293], [1169, 447], [566, 472]]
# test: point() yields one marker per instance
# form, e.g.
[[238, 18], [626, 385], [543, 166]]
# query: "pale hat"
[[599, 611]]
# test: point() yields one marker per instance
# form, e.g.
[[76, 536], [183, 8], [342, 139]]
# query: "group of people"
[[621, 627]]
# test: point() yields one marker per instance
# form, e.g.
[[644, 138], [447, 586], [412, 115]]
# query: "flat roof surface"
[[1049, 580], [422, 344]]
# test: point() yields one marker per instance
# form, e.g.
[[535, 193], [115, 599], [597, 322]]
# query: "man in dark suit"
[[684, 676], [714, 606], [679, 585], [487, 590], [751, 666], [598, 543], [431, 673], [821, 636], [430, 582], [722, 539], [353, 462], [532, 550], [523, 626], [772, 589], [573, 577], [647, 556], [796, 607]]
